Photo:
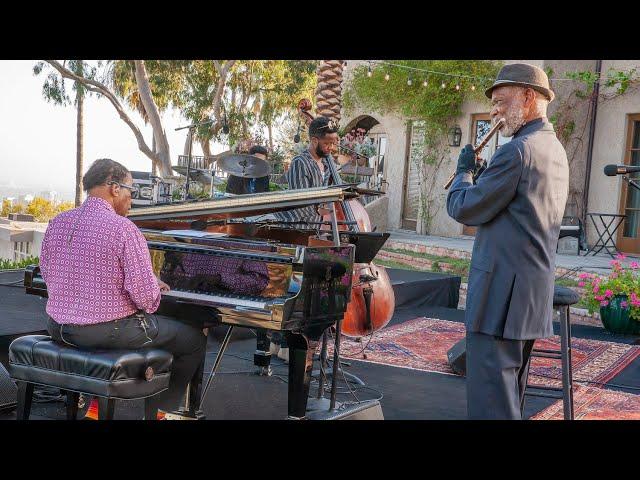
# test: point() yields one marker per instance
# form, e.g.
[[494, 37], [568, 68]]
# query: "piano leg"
[[262, 357], [301, 353]]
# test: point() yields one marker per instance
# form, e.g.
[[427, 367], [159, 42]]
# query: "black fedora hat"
[[523, 75]]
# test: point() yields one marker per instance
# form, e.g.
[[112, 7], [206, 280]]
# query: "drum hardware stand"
[[320, 403], [192, 129]]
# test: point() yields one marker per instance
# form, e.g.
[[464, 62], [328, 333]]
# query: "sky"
[[38, 138]]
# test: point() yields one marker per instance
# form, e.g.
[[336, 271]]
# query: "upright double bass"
[[372, 299]]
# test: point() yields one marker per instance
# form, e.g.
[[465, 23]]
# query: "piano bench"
[[107, 374]]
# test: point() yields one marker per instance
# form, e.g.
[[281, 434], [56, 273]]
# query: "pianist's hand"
[[163, 286]]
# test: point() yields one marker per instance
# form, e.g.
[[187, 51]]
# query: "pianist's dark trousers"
[[186, 342]]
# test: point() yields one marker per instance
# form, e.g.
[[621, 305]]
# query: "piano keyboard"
[[217, 299]]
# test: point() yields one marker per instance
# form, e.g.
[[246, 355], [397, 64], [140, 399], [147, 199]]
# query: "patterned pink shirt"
[[96, 265]]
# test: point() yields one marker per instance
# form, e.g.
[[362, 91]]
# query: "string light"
[[473, 88], [425, 83], [369, 72], [409, 81], [457, 75], [386, 76], [444, 85], [457, 86]]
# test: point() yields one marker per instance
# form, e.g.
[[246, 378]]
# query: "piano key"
[[217, 299]]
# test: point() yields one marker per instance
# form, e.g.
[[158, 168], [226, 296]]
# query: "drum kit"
[[237, 164]]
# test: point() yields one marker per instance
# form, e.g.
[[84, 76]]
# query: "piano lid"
[[241, 206]]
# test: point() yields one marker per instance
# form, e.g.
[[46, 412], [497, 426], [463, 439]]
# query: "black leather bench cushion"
[[564, 296], [107, 373]]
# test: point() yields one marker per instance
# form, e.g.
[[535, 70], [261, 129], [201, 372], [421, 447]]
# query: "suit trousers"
[[497, 370], [186, 342]]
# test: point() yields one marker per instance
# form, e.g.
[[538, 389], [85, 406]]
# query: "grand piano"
[[230, 258]]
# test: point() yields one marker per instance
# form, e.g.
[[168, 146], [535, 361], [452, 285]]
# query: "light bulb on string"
[[425, 83], [473, 88], [386, 76], [369, 72], [444, 85], [457, 86], [409, 81]]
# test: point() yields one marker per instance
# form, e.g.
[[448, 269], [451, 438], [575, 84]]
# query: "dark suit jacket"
[[517, 204]]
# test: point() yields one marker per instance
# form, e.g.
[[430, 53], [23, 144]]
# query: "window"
[[21, 250], [481, 124]]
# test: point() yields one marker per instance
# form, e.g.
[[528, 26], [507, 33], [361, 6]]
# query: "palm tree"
[[329, 89], [54, 91]]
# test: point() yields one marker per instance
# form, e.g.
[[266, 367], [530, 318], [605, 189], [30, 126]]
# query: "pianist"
[[102, 289]]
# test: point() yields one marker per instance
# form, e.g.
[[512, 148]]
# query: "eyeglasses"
[[332, 125], [131, 188]]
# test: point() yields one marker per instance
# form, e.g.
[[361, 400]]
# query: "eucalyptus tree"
[[160, 154]]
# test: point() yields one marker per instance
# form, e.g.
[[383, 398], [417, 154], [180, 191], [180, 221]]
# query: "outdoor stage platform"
[[405, 364]]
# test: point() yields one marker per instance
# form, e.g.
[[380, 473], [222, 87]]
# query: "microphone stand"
[[192, 129], [631, 182]]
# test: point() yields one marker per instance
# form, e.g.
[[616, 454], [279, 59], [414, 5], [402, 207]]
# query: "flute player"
[[517, 205]]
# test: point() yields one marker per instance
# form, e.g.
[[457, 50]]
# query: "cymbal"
[[243, 165]]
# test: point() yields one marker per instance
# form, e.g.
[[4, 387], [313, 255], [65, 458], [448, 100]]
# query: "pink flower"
[[608, 293], [584, 275], [604, 303], [614, 263], [621, 256], [623, 304], [614, 274], [599, 297], [633, 296], [634, 265], [596, 288], [581, 284]]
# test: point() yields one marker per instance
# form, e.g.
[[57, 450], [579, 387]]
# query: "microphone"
[[613, 170]]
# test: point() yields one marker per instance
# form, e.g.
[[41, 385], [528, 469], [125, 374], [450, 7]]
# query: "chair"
[[107, 374], [563, 298], [610, 222], [571, 227]]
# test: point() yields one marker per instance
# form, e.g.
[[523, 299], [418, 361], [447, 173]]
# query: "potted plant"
[[617, 297], [357, 142]]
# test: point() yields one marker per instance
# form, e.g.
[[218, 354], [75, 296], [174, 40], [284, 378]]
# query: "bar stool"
[[563, 298]]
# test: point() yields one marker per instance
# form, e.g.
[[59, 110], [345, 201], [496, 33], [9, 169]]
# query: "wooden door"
[[415, 150], [628, 238]]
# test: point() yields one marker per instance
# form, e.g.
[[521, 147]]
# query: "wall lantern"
[[455, 135]]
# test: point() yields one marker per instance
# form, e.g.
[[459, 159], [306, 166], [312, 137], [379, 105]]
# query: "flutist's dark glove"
[[467, 160]]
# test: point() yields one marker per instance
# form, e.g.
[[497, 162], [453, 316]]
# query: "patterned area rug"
[[593, 403], [422, 344]]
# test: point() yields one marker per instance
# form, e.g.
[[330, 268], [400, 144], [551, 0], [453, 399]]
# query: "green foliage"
[[432, 103], [13, 265], [54, 88], [437, 107], [620, 79], [256, 92]]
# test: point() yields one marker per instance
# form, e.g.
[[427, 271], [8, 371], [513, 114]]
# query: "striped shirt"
[[304, 172]]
